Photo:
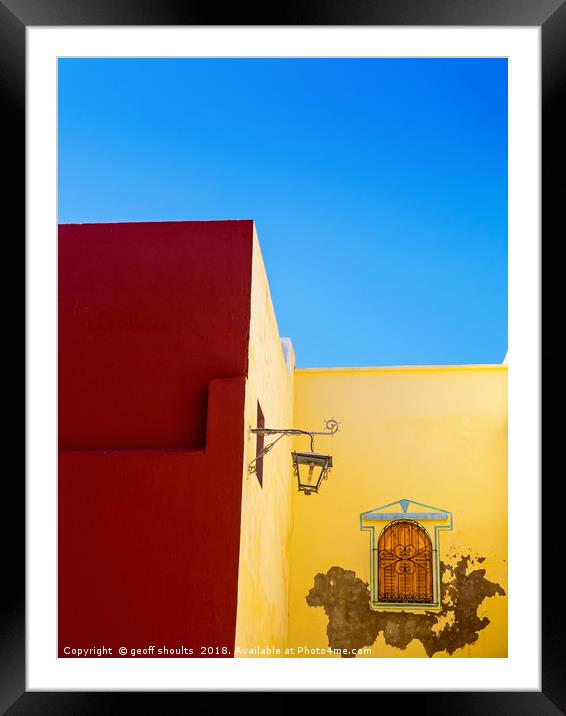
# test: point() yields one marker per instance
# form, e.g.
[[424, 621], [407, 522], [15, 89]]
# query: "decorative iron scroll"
[[404, 556], [406, 598], [332, 427]]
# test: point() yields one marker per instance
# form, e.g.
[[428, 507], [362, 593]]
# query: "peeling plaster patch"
[[447, 600], [445, 620], [473, 560], [352, 624]]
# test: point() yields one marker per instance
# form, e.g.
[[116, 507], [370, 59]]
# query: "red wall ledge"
[[149, 543]]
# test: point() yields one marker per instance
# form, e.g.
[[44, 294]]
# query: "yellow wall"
[[266, 512], [433, 435]]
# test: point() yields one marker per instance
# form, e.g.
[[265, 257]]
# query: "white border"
[[522, 669]]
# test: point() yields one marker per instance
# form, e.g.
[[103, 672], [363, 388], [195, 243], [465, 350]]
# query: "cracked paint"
[[352, 624]]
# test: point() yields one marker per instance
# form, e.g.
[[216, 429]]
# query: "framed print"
[[212, 505]]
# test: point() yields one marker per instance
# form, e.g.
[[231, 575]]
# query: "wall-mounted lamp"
[[310, 468]]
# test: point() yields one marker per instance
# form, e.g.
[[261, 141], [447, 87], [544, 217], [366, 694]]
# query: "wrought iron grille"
[[404, 563]]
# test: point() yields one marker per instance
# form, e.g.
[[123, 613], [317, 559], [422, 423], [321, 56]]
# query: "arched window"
[[405, 563]]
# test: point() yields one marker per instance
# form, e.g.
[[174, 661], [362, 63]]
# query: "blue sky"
[[379, 187]]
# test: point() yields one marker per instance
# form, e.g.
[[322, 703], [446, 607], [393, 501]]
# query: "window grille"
[[404, 556]]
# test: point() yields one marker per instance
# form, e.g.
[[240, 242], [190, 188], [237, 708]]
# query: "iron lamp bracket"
[[332, 426]]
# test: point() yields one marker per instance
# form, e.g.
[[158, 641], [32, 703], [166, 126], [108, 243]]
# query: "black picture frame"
[[15, 16]]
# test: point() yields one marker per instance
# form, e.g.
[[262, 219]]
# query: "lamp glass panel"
[[311, 467]]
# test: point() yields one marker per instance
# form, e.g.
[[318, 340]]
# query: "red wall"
[[153, 337], [149, 540], [148, 315]]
